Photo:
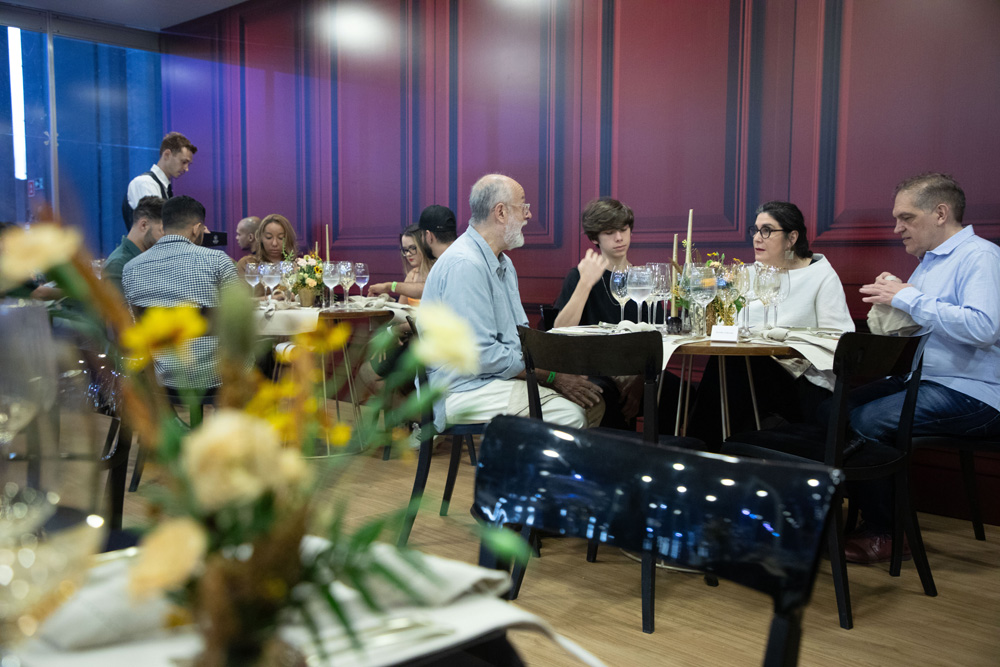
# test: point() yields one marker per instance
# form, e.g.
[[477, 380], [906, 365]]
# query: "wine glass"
[[619, 289], [361, 276], [331, 278], [743, 283], [639, 286], [251, 273], [766, 286], [661, 287], [346, 278], [270, 275], [784, 288], [727, 288], [704, 286], [287, 275], [49, 490]]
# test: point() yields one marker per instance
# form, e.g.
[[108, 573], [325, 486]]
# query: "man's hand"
[[591, 268], [631, 396], [883, 289], [379, 288], [578, 389]]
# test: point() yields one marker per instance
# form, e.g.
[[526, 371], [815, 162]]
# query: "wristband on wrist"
[[393, 288], [552, 377]]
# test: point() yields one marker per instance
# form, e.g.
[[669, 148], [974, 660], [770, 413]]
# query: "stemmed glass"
[[766, 286], [784, 288], [331, 278], [251, 274], [704, 286], [639, 286], [661, 286], [619, 289], [270, 275], [287, 272], [728, 292], [361, 276], [743, 284], [346, 278], [49, 490]]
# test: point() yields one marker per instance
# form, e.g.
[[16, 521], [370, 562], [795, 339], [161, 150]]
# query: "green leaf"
[[504, 542]]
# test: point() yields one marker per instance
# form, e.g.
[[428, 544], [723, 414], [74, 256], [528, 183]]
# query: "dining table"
[[813, 345]]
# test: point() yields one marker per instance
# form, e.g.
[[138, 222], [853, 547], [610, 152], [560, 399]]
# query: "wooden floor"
[[598, 606]]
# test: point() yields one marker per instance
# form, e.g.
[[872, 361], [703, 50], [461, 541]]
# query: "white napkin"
[[885, 320], [103, 612], [626, 326], [373, 302]]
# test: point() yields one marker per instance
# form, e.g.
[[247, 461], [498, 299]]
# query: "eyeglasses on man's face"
[[525, 208], [765, 232], [408, 250]]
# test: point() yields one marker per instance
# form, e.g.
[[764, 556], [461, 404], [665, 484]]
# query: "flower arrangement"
[[233, 498], [308, 273], [727, 302]]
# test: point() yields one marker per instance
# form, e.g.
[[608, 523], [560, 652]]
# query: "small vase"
[[307, 297]]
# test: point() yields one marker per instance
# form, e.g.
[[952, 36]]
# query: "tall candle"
[[687, 254], [326, 235], [673, 281], [317, 248]]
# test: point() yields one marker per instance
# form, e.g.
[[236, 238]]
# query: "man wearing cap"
[[439, 231]]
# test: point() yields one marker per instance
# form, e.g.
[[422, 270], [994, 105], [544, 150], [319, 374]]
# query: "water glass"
[[251, 273], [619, 289], [331, 278], [639, 286], [270, 275], [346, 270], [704, 286], [361, 276]]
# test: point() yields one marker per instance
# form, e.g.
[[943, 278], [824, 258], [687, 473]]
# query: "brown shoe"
[[869, 546]]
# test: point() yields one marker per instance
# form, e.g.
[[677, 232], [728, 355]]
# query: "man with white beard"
[[477, 280]]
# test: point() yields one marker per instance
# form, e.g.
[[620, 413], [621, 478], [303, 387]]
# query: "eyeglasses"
[[525, 208], [765, 232], [408, 250]]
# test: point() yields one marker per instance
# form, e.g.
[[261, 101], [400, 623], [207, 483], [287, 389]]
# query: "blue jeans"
[[875, 416], [939, 410]]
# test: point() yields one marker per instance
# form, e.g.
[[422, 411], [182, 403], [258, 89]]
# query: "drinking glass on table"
[[361, 276], [619, 288], [743, 283], [704, 286], [640, 285], [784, 288], [661, 287], [270, 275], [251, 274], [287, 274], [766, 286], [331, 278], [49, 477], [346, 278]]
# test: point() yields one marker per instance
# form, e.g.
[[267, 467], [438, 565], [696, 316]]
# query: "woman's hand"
[[379, 288]]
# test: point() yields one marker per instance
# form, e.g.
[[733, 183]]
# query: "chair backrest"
[[548, 314], [862, 358], [757, 523], [639, 353]]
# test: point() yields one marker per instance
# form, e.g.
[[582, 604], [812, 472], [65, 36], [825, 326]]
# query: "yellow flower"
[[339, 434], [26, 252], [446, 340], [326, 338], [161, 329], [170, 555], [233, 458]]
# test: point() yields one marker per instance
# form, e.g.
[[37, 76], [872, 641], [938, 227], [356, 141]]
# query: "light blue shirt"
[[956, 297], [482, 288]]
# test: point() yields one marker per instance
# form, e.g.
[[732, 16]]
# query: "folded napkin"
[[103, 612], [626, 326], [885, 320], [818, 348], [373, 302]]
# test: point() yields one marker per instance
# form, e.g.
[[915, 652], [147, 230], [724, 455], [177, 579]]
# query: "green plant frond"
[[504, 542]]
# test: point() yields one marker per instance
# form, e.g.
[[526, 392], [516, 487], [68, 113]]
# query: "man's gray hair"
[[490, 190]]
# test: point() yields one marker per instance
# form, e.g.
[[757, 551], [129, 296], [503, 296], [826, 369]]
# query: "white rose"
[[27, 252], [446, 340], [170, 555]]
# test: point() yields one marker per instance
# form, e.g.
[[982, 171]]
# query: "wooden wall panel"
[[678, 127], [668, 105]]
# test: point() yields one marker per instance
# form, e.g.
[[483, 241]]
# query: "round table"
[[717, 349]]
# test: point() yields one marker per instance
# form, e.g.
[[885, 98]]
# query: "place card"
[[724, 334]]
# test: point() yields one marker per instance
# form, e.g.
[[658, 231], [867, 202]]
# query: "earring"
[[789, 255]]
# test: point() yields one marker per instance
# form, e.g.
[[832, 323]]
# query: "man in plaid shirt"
[[177, 271]]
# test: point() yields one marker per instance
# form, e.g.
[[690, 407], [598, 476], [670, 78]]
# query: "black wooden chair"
[[859, 358], [756, 523], [459, 433], [549, 314], [966, 446]]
